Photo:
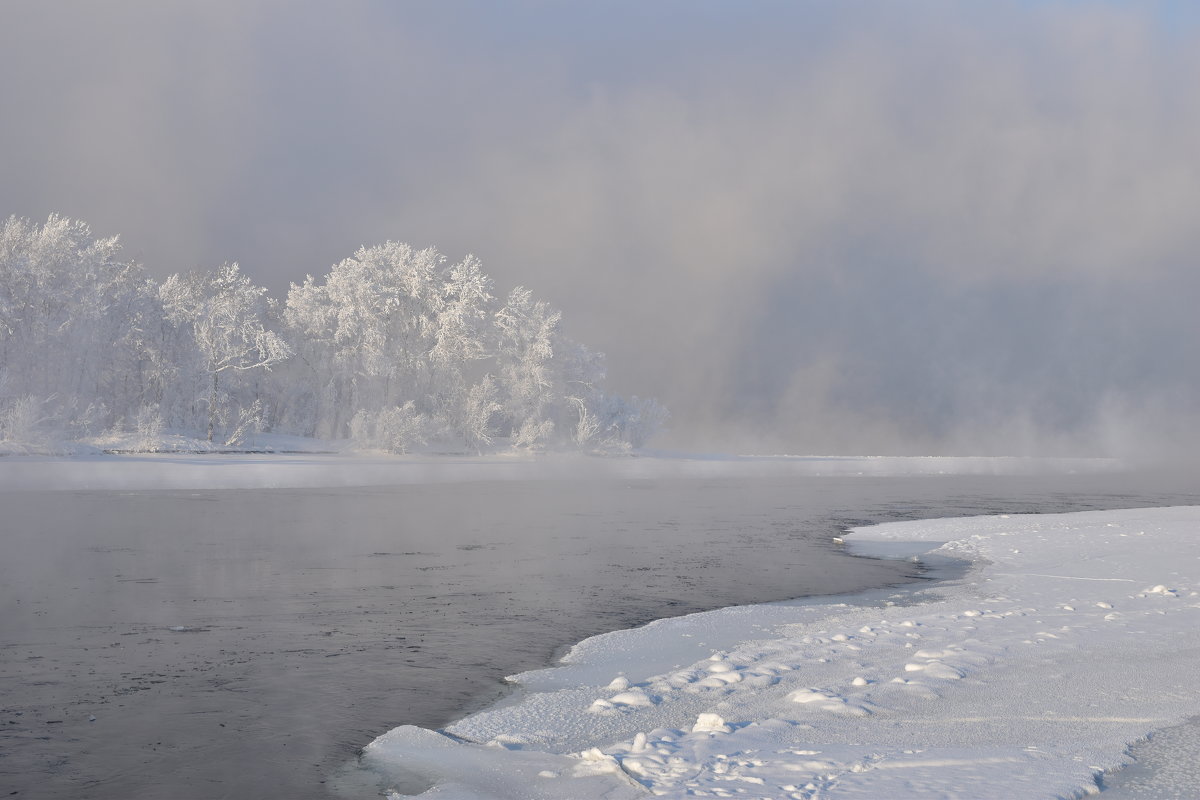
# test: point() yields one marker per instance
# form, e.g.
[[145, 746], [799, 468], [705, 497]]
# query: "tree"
[[526, 330], [74, 323], [223, 311], [369, 330], [393, 348], [464, 336]]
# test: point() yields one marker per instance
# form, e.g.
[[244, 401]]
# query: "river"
[[245, 643]]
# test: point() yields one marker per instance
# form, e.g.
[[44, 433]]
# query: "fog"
[[928, 227]]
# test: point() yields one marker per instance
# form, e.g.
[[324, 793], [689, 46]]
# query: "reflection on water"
[[246, 643]]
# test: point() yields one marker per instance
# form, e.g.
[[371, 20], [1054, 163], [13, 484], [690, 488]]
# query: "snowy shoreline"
[[966, 687], [1069, 637]]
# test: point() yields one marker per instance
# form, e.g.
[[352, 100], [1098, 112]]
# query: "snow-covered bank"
[[1069, 637], [312, 470]]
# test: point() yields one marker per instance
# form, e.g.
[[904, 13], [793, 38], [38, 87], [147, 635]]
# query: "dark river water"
[[245, 643]]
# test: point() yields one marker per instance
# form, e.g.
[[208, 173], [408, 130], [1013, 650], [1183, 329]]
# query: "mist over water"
[[856, 228], [237, 643]]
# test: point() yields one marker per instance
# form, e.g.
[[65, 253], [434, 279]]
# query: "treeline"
[[393, 349]]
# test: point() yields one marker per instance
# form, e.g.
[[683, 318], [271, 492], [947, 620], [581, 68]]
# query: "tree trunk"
[[212, 407]]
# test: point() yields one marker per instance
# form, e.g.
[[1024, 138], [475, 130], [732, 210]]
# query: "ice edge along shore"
[[1070, 636]]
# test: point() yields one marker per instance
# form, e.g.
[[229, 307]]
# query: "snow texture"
[[1068, 638]]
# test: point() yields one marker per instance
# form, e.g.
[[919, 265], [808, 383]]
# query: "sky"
[[806, 227]]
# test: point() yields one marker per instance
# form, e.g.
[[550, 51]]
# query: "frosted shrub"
[[148, 429], [588, 427], [25, 421], [84, 420], [534, 434], [397, 429], [249, 420], [481, 406]]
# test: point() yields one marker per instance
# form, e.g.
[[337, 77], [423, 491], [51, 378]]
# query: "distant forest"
[[394, 349]]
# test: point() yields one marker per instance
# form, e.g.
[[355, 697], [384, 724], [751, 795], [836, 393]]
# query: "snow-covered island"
[[1027, 674], [394, 350]]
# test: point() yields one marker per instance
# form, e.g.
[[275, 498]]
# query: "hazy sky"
[[804, 226]]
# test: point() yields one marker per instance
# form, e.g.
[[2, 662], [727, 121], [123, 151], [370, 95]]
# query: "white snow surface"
[[1068, 638]]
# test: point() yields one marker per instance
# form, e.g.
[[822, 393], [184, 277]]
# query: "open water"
[[245, 643]]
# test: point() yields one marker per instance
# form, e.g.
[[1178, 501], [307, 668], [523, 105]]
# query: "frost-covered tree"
[[526, 331], [224, 313], [461, 334], [399, 349], [388, 335], [464, 338], [74, 327], [394, 348], [367, 331]]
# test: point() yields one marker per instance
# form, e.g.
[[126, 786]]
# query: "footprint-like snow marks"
[[828, 701], [944, 653], [711, 723], [633, 697], [888, 693], [935, 669], [630, 698]]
